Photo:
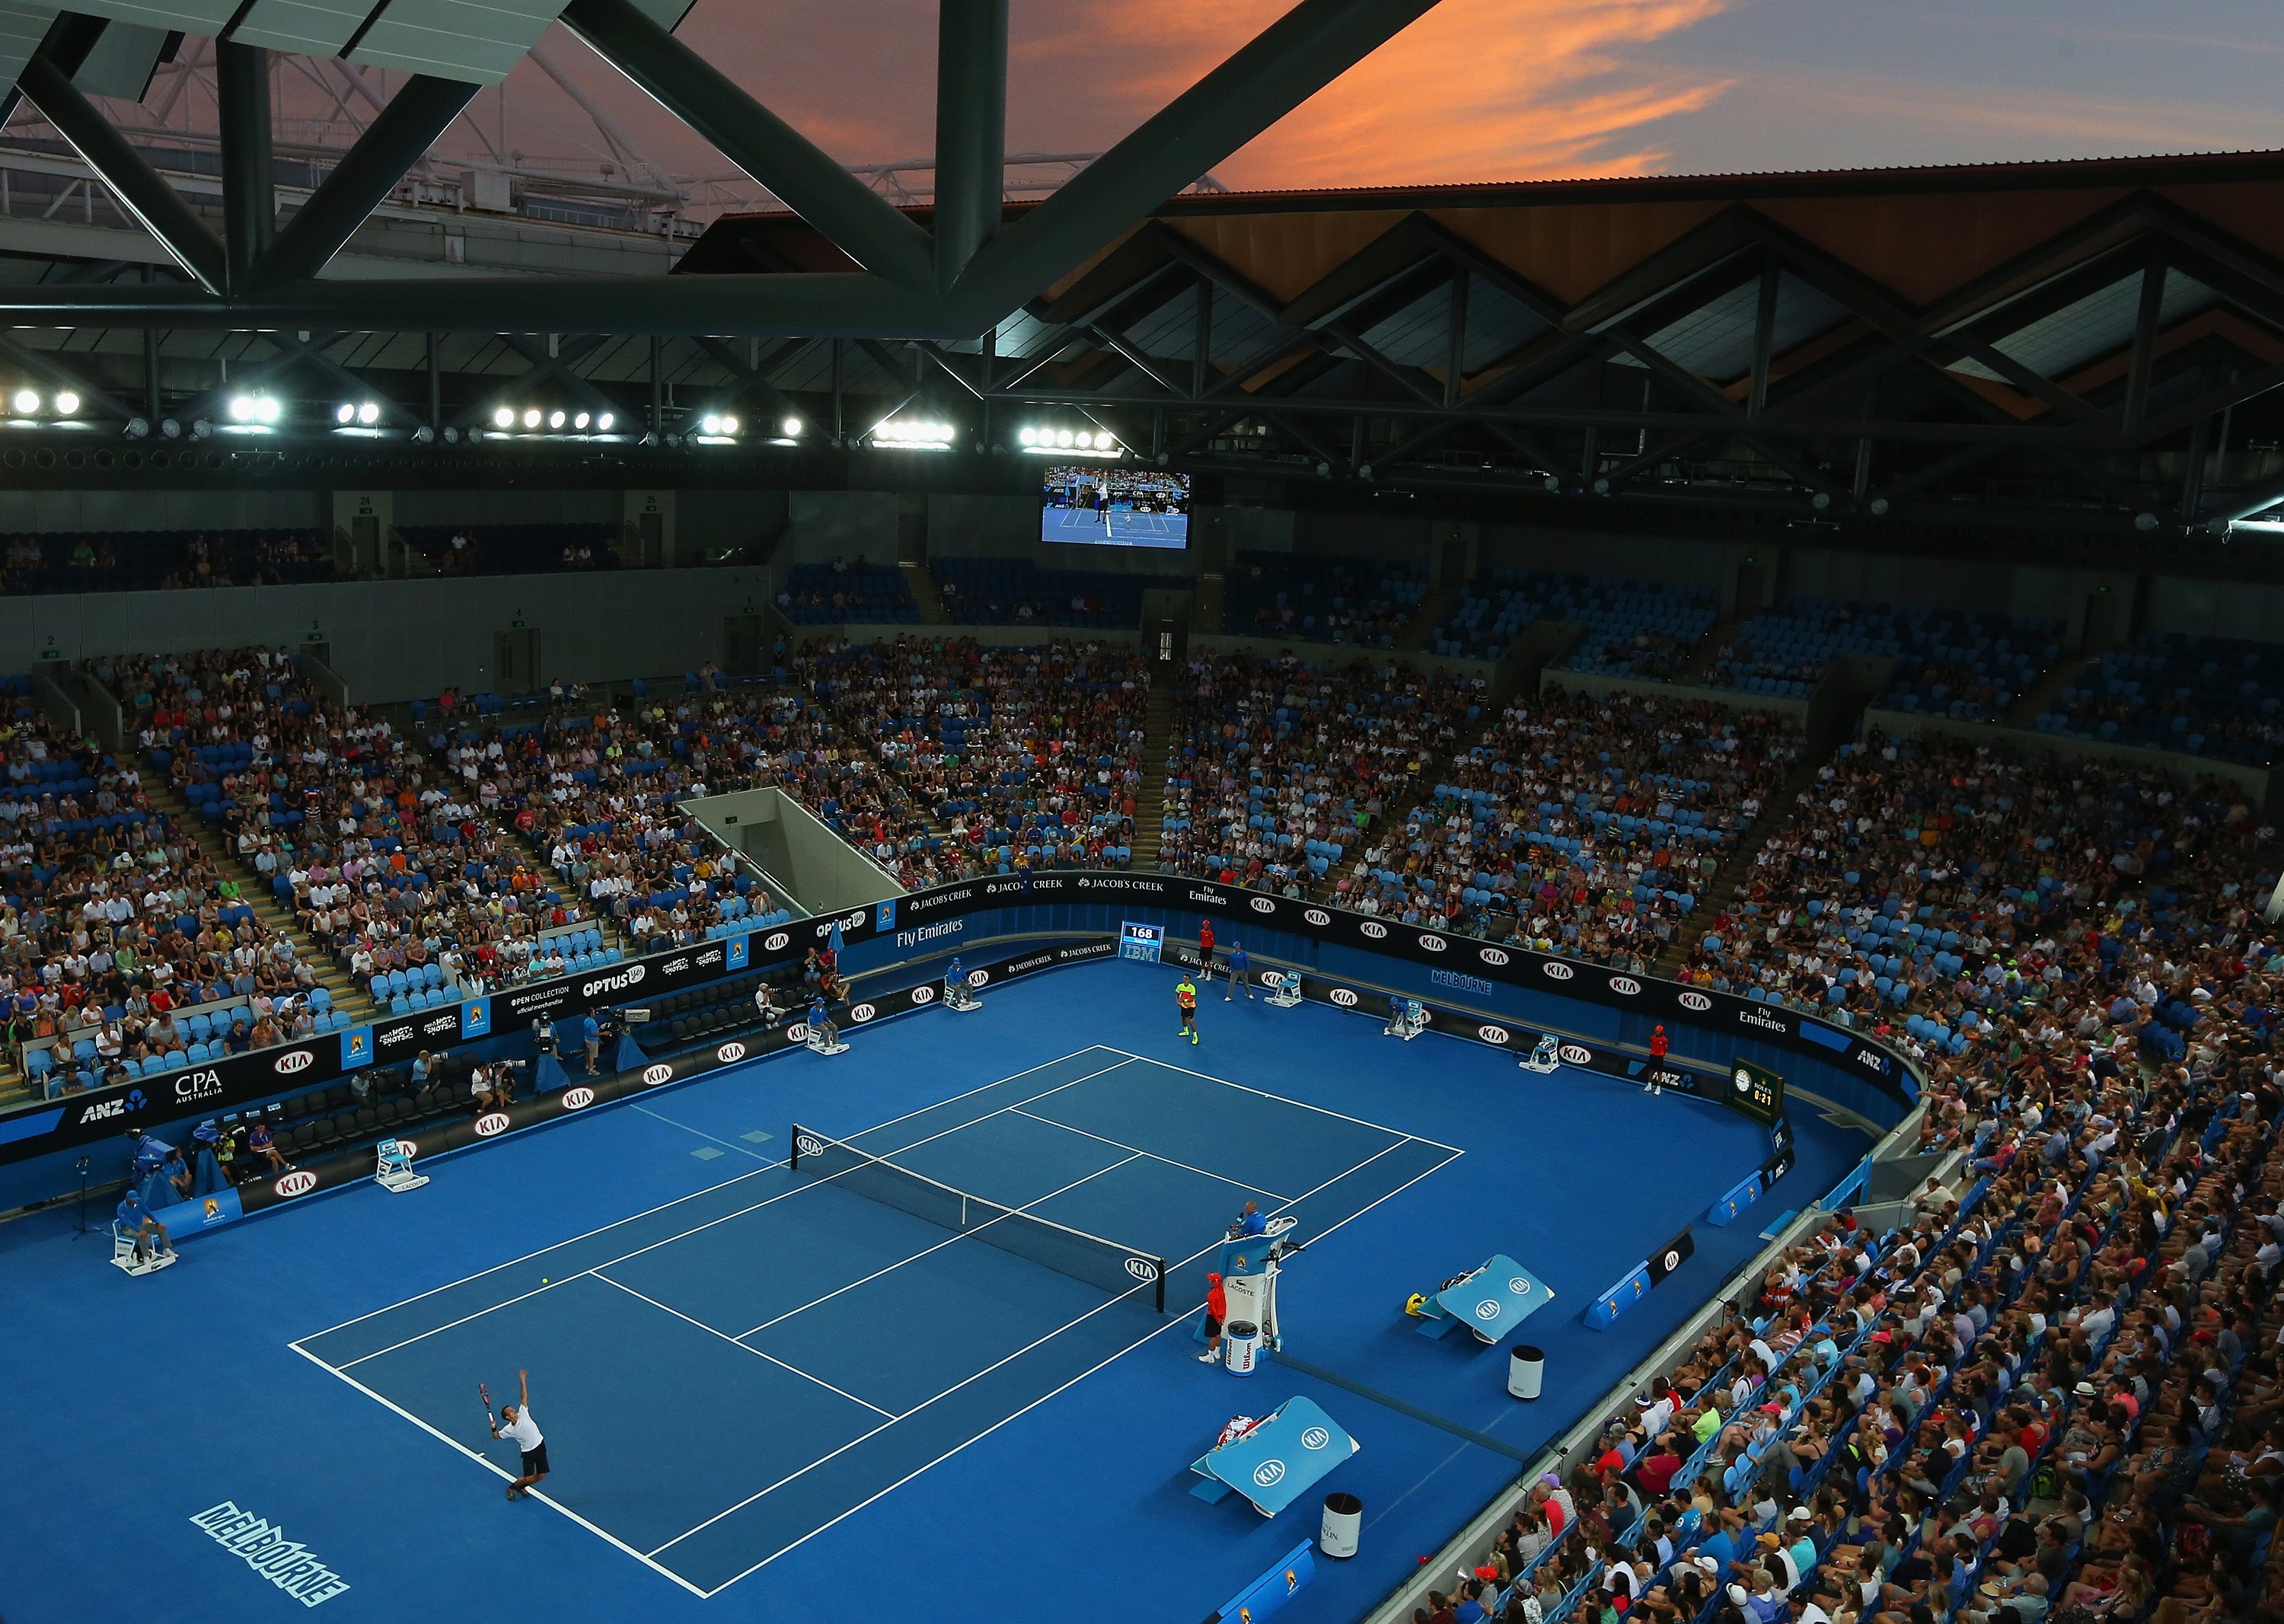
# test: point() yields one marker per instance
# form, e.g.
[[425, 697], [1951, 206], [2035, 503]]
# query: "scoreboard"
[[1756, 1092], [1144, 942]]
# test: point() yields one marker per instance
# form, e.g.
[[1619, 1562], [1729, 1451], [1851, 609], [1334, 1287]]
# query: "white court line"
[[634, 1217], [1301, 1105], [947, 1241], [1222, 1177], [742, 1150], [684, 1234], [1171, 1321], [742, 1348], [605, 1534]]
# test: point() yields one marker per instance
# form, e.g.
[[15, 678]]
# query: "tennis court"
[[1125, 526], [747, 1366]]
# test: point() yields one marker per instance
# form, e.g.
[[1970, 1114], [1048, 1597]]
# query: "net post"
[[795, 1162], [1162, 1284]]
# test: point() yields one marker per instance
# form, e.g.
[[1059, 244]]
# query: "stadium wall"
[[2258, 782]]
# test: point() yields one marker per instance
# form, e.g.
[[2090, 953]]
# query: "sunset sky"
[[1500, 89]]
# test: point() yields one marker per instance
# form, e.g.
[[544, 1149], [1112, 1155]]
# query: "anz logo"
[[1374, 928], [1342, 996], [1554, 970], [1695, 1001], [1317, 916]]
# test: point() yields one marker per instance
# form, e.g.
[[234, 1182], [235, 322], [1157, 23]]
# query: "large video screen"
[[1108, 505]]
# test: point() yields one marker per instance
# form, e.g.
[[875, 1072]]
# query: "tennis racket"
[[485, 1394]]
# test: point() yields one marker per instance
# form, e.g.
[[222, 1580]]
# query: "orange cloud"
[[1477, 89]]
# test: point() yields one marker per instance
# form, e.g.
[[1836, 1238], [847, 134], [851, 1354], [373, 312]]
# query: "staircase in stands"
[[921, 585], [1150, 799], [274, 916], [1736, 870]]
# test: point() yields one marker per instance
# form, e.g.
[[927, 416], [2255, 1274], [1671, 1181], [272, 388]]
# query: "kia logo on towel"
[[298, 1060], [775, 940], [925, 993], [298, 1182], [1315, 1438], [1433, 944], [1374, 928], [1493, 956], [729, 1052], [1488, 1309], [1317, 916], [1142, 1269], [1698, 1002], [576, 1098], [652, 1075], [1494, 1034], [1624, 984], [491, 1122], [1264, 904], [1268, 1472], [1575, 1054], [862, 1013], [1554, 971], [1342, 996]]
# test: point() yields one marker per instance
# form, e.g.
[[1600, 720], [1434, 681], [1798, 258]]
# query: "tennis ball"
[[543, 1279]]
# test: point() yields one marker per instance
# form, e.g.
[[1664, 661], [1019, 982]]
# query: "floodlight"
[[67, 403], [503, 418]]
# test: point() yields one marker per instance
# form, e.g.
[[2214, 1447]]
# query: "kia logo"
[[1576, 1054], [491, 1122], [1142, 1269], [924, 993], [1490, 1309], [1624, 984], [729, 1052], [1263, 905], [297, 1060], [1493, 1034], [797, 1033], [1696, 1001], [1433, 944], [298, 1182], [1342, 996], [862, 1013], [1492, 955], [1268, 1472], [774, 941], [574, 1099], [1317, 915], [806, 1145], [1556, 971], [1374, 929], [406, 1146], [652, 1075], [1315, 1438], [979, 978]]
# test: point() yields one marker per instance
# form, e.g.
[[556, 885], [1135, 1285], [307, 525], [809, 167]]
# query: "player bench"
[[1277, 1462]]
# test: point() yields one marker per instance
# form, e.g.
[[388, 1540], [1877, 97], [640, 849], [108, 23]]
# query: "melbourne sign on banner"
[[82, 1117]]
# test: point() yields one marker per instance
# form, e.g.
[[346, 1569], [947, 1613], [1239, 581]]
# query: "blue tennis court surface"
[[1122, 527], [736, 1363], [844, 1345]]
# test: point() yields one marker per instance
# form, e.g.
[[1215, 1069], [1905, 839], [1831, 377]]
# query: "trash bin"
[[1526, 1369], [1240, 1346], [1343, 1521]]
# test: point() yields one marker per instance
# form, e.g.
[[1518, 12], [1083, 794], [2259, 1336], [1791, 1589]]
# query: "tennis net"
[[1104, 1264]]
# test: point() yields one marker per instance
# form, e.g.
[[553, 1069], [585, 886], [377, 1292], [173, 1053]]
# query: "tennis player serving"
[[515, 1422]]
